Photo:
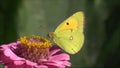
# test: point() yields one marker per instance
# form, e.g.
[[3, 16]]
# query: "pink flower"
[[18, 55]]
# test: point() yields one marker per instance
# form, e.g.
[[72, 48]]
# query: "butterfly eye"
[[67, 23]]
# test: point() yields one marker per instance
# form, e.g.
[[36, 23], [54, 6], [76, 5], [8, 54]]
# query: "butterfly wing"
[[70, 42], [69, 34]]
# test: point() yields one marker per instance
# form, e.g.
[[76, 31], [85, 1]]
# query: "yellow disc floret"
[[35, 42]]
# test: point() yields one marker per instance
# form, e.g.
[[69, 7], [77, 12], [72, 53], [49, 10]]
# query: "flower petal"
[[58, 64], [54, 51], [12, 56], [62, 56], [14, 45], [19, 62], [31, 63], [6, 46], [66, 63], [41, 66]]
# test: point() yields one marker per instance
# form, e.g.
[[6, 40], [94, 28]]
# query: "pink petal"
[[4, 47], [41, 66], [19, 62], [43, 60], [14, 45], [59, 63], [62, 56], [67, 63], [12, 56], [31, 63], [56, 63], [52, 52]]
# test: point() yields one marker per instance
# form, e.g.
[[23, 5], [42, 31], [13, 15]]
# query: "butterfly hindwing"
[[70, 42]]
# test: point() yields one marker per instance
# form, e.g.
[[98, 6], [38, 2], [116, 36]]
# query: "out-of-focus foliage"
[[38, 17]]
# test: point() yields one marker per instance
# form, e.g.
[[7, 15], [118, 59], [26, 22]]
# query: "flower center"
[[35, 41], [33, 48]]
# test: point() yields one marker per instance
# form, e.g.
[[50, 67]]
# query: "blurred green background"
[[38, 17]]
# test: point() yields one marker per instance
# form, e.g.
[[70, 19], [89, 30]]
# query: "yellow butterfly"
[[69, 34]]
